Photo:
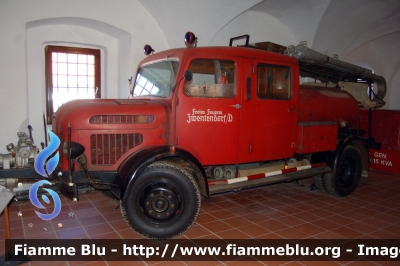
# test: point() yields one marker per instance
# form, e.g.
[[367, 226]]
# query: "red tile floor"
[[283, 211]]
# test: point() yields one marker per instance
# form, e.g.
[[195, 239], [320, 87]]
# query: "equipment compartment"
[[316, 136]]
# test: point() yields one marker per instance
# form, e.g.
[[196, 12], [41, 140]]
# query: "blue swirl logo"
[[45, 153], [35, 201], [51, 164]]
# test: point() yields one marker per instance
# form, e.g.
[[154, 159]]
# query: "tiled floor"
[[286, 210]]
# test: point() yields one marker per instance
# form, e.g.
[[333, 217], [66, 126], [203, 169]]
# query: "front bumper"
[[98, 180]]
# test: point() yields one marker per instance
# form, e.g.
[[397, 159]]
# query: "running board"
[[224, 187]]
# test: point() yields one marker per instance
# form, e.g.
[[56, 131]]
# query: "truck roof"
[[311, 63], [221, 50]]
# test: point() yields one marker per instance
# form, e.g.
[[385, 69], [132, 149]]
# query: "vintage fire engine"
[[206, 120]]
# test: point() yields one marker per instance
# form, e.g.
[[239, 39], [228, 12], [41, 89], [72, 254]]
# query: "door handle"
[[237, 106]]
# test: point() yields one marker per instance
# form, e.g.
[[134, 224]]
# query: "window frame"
[[49, 49], [290, 92], [216, 85], [172, 80]]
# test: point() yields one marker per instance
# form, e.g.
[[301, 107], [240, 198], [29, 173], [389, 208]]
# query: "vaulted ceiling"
[[337, 25]]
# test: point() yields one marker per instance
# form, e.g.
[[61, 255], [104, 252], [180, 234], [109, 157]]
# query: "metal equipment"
[[22, 155], [322, 67]]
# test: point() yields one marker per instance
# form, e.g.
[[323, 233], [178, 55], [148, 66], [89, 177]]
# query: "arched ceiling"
[[339, 26], [204, 17], [301, 17], [347, 25]]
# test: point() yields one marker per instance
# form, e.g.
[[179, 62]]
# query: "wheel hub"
[[160, 204], [347, 172]]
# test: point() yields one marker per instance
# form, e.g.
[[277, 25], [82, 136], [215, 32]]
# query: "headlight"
[[76, 149]]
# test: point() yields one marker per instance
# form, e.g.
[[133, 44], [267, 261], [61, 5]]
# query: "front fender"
[[137, 162]]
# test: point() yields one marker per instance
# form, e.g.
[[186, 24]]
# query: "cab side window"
[[273, 82], [212, 78]]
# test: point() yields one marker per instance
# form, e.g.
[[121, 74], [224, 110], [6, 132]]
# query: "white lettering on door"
[[199, 115]]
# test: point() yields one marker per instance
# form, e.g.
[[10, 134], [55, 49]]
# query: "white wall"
[[365, 32], [203, 17], [380, 54], [119, 28], [40, 36], [260, 26]]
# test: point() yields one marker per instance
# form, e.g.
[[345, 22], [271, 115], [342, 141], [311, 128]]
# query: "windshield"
[[156, 79]]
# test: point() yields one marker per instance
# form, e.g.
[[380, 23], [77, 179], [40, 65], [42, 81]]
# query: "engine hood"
[[110, 114]]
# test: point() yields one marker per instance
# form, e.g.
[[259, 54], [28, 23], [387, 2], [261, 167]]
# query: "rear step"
[[221, 187]]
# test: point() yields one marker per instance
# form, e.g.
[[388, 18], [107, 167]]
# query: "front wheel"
[[347, 175], [163, 203]]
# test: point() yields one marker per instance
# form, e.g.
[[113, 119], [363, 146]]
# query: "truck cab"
[[239, 106]]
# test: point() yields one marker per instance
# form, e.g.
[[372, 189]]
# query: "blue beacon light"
[[190, 39], [148, 50]]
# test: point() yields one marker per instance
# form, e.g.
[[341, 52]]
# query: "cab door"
[[275, 111], [208, 110]]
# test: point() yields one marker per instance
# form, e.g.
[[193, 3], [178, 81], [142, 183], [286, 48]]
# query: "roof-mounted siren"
[[148, 50], [190, 39]]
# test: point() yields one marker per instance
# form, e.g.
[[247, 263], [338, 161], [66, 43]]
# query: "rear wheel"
[[319, 183], [347, 175], [164, 202]]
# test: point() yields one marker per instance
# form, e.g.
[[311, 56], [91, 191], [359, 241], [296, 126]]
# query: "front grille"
[[121, 119], [106, 149]]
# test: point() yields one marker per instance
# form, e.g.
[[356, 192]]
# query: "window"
[[212, 79], [274, 82], [71, 73], [156, 79]]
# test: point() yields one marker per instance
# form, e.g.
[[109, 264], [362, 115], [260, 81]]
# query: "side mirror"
[[188, 75]]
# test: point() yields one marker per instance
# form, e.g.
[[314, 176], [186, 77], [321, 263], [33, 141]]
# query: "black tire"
[[347, 175], [319, 183], [164, 202]]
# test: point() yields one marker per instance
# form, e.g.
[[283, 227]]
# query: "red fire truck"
[[206, 120]]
